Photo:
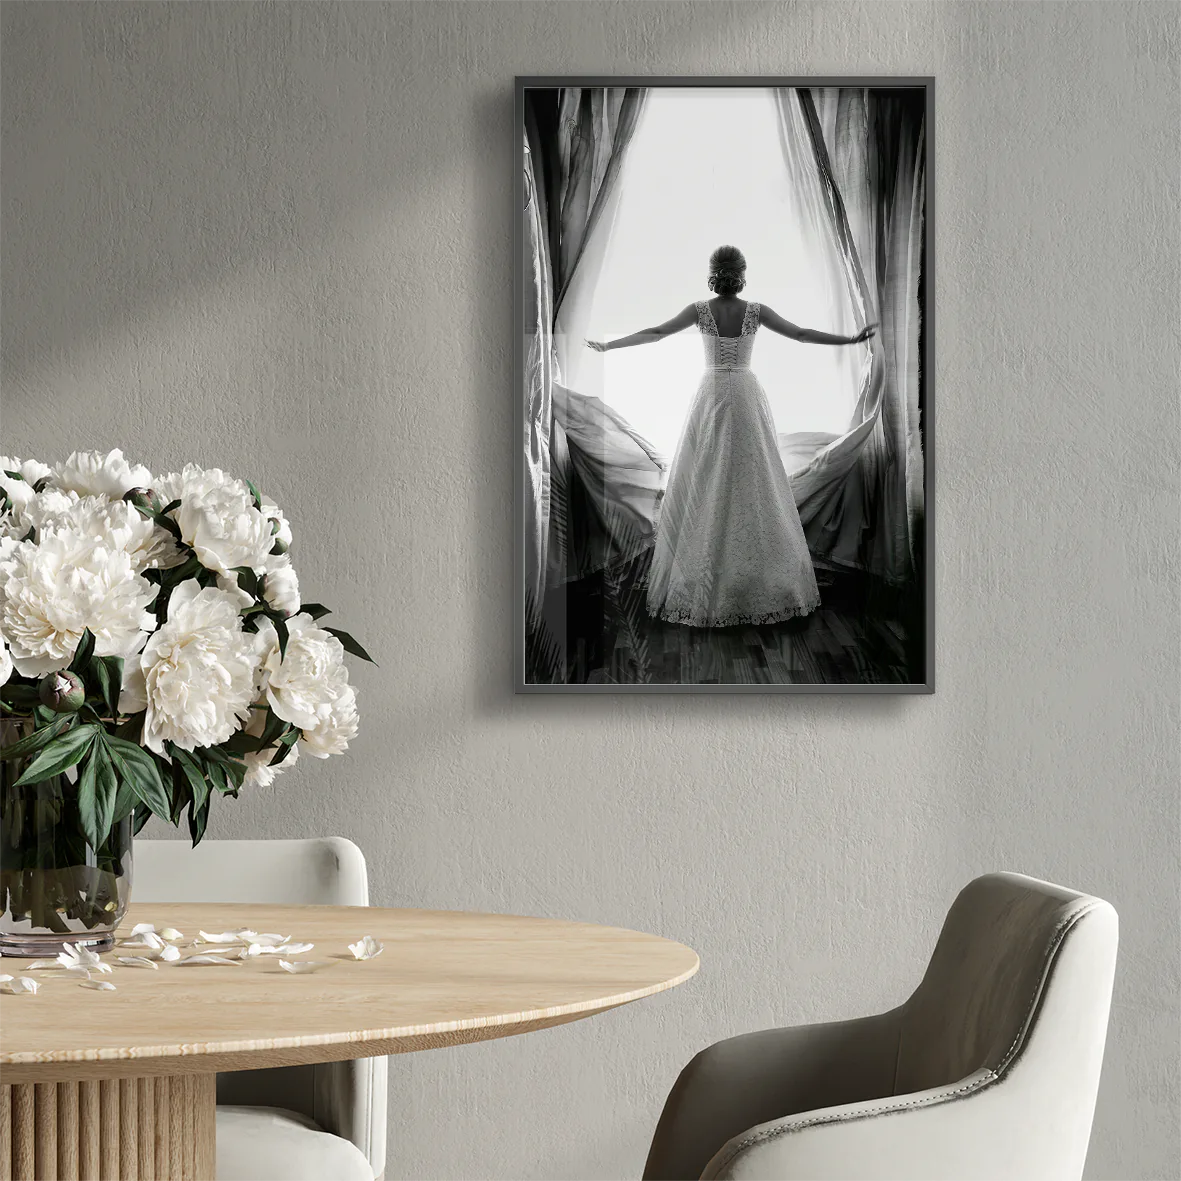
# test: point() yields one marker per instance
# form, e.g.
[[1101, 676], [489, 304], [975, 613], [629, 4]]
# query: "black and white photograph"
[[724, 385]]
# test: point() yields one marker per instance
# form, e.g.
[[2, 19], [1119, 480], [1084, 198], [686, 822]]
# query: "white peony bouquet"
[[153, 641]]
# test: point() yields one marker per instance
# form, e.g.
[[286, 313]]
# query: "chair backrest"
[[978, 1001], [348, 1098], [326, 871]]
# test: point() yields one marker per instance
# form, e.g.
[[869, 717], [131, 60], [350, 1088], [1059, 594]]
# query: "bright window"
[[706, 168]]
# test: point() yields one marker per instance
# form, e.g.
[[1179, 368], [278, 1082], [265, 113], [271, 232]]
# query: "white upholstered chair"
[[292, 1123], [989, 1070]]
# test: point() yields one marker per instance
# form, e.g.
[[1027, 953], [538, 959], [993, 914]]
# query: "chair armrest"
[[349, 1100], [982, 1128], [756, 1078]]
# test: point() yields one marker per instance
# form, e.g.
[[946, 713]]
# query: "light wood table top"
[[444, 978]]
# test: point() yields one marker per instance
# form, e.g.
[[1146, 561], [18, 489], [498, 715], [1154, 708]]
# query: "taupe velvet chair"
[[990, 1069], [294, 1123]]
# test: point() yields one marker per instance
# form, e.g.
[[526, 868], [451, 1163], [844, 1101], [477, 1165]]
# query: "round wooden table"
[[122, 1084]]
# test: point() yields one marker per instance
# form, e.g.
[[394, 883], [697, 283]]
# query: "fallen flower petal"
[[19, 985], [97, 985], [219, 937], [304, 966], [281, 949], [138, 961], [366, 948]]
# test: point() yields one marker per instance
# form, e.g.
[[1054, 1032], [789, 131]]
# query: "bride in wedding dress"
[[729, 545]]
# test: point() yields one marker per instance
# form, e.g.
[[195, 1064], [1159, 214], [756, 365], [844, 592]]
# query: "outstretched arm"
[[685, 318], [776, 323]]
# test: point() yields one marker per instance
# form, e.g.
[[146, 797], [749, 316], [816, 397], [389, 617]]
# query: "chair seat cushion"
[[270, 1144]]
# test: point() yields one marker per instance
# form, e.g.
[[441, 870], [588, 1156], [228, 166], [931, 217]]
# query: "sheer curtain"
[[860, 498], [575, 140], [539, 382]]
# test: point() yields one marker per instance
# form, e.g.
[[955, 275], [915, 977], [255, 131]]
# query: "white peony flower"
[[90, 473], [302, 686], [5, 662], [53, 591], [113, 523], [280, 587], [30, 470], [330, 736], [19, 491], [195, 677], [218, 519], [51, 505], [259, 773]]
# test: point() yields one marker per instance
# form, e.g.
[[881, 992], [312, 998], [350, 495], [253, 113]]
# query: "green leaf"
[[235, 774], [315, 610], [244, 744], [350, 645], [167, 523], [35, 741], [136, 766], [281, 631], [60, 755], [217, 776], [273, 727], [83, 652], [141, 816], [198, 819], [88, 807], [181, 795], [125, 803], [108, 676], [97, 797], [254, 492], [193, 773], [281, 753], [106, 793], [248, 581], [185, 570], [170, 507], [131, 729]]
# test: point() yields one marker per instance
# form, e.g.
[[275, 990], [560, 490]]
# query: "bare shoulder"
[[768, 316]]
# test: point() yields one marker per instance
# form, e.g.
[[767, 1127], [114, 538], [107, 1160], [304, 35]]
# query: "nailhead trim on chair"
[[984, 1078]]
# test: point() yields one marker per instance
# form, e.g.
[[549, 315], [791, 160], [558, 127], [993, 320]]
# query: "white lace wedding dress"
[[729, 544]]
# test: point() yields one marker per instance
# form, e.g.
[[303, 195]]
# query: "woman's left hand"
[[866, 332], [598, 346]]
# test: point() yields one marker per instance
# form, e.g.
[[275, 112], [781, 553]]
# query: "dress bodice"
[[727, 352]]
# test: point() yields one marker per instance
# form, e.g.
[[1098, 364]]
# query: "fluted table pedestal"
[[158, 1128]]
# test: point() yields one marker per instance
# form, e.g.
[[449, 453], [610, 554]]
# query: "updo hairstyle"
[[727, 270]]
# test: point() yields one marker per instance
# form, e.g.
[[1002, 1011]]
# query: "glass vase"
[[56, 889]]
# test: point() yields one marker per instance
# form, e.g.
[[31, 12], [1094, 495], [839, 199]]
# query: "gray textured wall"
[[276, 239]]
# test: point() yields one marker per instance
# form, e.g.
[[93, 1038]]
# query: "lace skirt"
[[729, 545]]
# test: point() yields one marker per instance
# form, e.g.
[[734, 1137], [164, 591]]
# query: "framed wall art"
[[723, 382]]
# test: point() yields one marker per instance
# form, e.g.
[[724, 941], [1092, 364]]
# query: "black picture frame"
[[926, 685]]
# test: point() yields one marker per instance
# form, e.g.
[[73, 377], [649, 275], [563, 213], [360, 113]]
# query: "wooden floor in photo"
[[863, 633]]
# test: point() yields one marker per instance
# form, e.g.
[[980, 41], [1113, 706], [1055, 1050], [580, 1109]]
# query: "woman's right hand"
[[866, 332], [599, 346]]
